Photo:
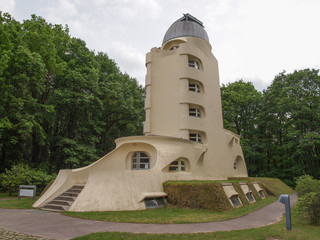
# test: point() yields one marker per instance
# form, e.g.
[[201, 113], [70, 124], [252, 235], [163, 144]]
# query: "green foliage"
[[22, 174], [279, 128], [307, 184], [309, 204], [309, 197], [210, 194], [199, 196], [61, 104]]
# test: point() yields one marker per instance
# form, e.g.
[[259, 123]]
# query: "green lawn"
[[302, 230], [170, 215], [7, 201], [6, 195]]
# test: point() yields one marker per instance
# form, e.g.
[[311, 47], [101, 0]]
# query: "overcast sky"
[[253, 40]]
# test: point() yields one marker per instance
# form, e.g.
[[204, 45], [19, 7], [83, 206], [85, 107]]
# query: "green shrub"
[[306, 184], [309, 204], [22, 174], [309, 197]]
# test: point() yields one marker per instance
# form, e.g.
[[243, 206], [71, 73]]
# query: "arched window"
[[196, 137], [140, 161], [177, 166]]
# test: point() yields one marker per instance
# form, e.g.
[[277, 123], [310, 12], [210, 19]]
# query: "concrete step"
[[54, 207], [74, 190], [67, 194], [69, 199], [78, 186], [64, 201], [59, 202]]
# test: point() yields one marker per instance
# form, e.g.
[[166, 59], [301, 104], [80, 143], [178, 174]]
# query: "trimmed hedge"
[[210, 194]]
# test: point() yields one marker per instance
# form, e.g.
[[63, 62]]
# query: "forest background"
[[62, 106]]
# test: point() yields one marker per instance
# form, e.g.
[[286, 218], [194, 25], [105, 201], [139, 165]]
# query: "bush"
[[22, 174], [306, 184], [309, 204], [309, 197]]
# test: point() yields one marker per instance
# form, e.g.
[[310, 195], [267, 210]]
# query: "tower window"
[[196, 137], [194, 63], [193, 87], [195, 112], [140, 161], [177, 166], [174, 47]]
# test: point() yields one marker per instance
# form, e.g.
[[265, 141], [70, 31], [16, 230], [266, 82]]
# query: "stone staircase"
[[64, 201]]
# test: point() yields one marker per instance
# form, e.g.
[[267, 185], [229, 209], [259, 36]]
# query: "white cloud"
[[129, 58], [7, 6], [252, 40]]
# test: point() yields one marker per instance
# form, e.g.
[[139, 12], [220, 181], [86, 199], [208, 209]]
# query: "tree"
[[241, 104], [290, 123], [61, 104]]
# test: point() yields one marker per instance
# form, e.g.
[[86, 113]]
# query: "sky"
[[253, 40]]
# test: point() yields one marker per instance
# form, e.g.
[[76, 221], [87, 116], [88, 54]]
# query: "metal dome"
[[187, 26]]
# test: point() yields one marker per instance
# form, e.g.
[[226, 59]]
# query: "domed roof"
[[187, 26]]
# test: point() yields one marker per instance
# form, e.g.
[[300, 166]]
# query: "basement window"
[[250, 197], [177, 166], [154, 202], [235, 201], [261, 194], [140, 161]]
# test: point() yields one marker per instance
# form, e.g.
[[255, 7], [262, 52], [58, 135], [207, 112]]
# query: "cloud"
[[7, 6], [129, 59]]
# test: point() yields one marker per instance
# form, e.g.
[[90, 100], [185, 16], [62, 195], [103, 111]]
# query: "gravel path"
[[7, 234]]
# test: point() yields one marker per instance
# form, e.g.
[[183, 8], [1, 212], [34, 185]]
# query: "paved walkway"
[[55, 226]]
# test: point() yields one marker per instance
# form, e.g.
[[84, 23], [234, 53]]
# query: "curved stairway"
[[64, 201]]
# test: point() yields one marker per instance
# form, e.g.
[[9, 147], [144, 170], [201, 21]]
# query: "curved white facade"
[[184, 135]]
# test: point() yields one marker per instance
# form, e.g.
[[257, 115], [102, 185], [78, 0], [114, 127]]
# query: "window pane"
[[235, 201], [143, 155], [261, 194], [173, 168], [140, 160], [250, 197]]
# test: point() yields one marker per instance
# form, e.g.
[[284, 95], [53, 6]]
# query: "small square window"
[[195, 137]]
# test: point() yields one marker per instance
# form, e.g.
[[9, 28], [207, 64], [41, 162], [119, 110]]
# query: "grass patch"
[[6, 195], [23, 203], [170, 215], [301, 230]]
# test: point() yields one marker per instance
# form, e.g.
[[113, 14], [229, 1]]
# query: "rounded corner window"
[[178, 165]]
